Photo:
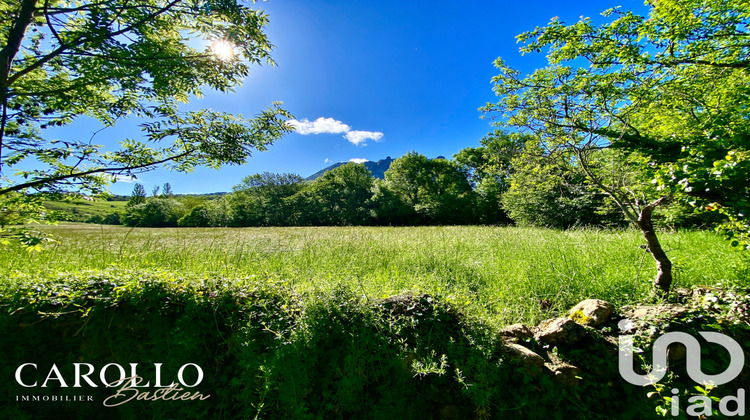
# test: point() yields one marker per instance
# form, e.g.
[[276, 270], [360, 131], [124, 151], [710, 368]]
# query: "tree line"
[[507, 179]]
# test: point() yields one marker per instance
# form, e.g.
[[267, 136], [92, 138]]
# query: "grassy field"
[[501, 274]]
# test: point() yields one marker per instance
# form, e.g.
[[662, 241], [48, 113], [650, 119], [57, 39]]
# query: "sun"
[[222, 49]]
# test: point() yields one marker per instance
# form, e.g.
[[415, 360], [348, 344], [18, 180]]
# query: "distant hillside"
[[95, 211], [85, 210], [377, 168]]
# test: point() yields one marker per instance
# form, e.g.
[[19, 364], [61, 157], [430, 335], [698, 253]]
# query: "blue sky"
[[412, 73]]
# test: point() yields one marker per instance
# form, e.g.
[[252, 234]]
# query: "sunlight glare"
[[222, 49]]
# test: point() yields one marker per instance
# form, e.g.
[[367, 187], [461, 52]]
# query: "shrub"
[[198, 216], [156, 212], [267, 352]]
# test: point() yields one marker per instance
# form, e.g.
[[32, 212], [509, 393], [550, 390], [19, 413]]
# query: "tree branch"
[[610, 192], [51, 180]]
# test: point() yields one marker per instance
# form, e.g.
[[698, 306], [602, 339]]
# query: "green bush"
[[109, 219], [198, 216], [268, 352], [156, 212]]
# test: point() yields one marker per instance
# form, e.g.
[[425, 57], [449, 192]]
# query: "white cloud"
[[330, 126], [360, 137], [319, 126], [357, 160], [128, 179]]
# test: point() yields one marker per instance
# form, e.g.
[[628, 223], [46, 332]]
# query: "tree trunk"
[[7, 54], [663, 280]]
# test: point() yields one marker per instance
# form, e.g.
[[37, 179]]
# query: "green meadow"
[[502, 275], [82, 210]]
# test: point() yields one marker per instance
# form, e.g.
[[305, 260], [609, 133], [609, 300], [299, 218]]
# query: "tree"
[[488, 168], [156, 212], [670, 88], [552, 192], [259, 200], [155, 191], [340, 197], [406, 177], [138, 196], [198, 216], [435, 188], [166, 190], [390, 208], [493, 157], [61, 60]]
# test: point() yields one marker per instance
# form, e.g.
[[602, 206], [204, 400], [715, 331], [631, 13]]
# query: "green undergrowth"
[[267, 352], [270, 351], [708, 309]]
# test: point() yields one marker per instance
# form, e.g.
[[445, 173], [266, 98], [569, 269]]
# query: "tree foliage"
[[437, 190], [61, 60], [493, 158], [340, 197], [138, 196], [156, 212], [18, 210], [259, 200], [552, 192], [671, 87], [489, 168], [390, 208], [166, 190]]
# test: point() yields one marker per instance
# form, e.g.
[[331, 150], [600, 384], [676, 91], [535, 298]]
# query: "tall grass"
[[502, 274]]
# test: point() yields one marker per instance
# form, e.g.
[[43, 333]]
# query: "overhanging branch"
[[52, 180]]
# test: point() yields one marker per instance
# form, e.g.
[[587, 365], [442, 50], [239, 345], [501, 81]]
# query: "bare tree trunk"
[[663, 280]]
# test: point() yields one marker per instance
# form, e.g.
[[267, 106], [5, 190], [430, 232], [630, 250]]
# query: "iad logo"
[[693, 363]]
